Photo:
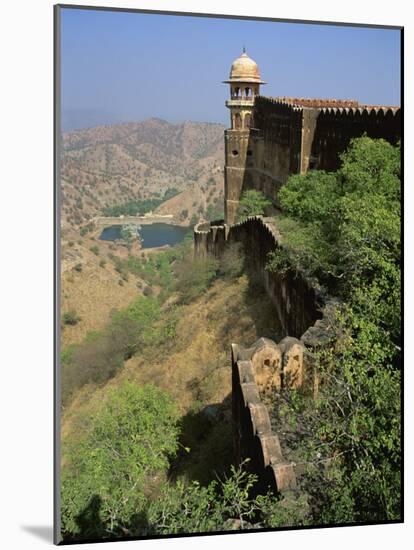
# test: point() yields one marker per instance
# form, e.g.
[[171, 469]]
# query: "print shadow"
[[92, 528], [206, 444], [42, 532]]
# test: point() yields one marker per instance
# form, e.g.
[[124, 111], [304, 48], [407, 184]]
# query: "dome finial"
[[244, 48]]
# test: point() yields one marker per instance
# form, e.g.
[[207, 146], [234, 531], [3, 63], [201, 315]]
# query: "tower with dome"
[[245, 82], [270, 138]]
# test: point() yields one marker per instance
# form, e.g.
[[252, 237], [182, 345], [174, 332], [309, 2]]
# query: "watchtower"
[[245, 84]]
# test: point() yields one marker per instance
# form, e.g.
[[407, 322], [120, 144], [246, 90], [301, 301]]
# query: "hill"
[[91, 286], [194, 367], [111, 165]]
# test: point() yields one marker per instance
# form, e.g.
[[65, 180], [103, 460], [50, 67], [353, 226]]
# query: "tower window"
[[237, 121], [234, 152]]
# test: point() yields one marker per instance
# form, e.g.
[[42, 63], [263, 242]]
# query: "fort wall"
[[269, 140], [305, 315], [293, 135], [312, 133], [253, 435], [335, 127], [298, 302]]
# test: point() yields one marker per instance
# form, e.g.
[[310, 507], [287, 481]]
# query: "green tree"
[[215, 212], [344, 229], [347, 224], [124, 448], [252, 203]]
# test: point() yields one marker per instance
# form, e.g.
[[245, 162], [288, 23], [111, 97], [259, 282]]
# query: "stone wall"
[[335, 127], [300, 134], [306, 318], [266, 368], [297, 302], [291, 138], [280, 125], [252, 433]]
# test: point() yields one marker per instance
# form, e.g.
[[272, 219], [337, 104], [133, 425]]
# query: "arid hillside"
[[111, 165], [194, 368], [91, 286]]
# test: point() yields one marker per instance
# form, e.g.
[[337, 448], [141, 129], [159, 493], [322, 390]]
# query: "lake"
[[152, 235]]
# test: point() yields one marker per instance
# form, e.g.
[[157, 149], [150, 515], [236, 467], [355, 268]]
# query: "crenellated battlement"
[[270, 139], [294, 135], [303, 307], [349, 105], [306, 316]]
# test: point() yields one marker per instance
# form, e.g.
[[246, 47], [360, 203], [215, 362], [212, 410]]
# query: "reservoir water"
[[152, 235]]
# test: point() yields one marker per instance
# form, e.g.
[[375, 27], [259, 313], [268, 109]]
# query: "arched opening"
[[237, 121], [234, 152], [247, 120], [247, 92]]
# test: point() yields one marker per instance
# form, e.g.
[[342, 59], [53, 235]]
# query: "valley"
[[107, 166], [174, 170]]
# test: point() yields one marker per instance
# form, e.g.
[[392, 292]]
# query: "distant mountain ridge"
[[113, 164], [79, 119]]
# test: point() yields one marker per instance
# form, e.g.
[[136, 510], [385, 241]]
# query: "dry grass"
[[228, 312], [92, 292]]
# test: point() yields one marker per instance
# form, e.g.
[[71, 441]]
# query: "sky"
[[124, 67]]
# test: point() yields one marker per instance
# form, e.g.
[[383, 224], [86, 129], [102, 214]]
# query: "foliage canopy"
[[344, 229], [121, 450], [252, 203]]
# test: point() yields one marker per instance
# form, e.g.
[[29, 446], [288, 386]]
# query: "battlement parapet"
[[350, 106], [306, 315], [253, 435], [298, 301]]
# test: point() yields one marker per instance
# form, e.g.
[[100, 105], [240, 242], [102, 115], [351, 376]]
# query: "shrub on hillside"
[[194, 276], [123, 449], [252, 203], [232, 261], [70, 318], [98, 358]]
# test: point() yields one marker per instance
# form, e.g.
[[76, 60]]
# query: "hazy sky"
[[129, 66]]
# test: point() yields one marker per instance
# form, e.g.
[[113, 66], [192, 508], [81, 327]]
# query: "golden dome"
[[244, 69]]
